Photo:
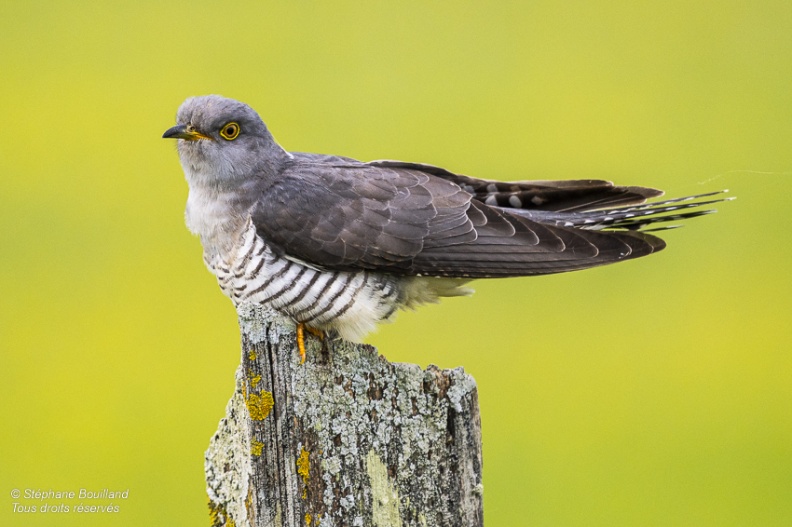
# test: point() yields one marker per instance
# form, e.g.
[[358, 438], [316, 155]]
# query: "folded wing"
[[409, 219]]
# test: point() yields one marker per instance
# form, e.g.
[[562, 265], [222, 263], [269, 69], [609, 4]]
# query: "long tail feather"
[[632, 217]]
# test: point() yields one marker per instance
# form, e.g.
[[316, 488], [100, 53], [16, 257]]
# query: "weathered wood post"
[[346, 439]]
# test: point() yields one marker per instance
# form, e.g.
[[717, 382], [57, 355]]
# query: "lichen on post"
[[345, 439]]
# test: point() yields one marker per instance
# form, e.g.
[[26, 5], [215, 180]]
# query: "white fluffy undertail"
[[368, 311], [428, 290]]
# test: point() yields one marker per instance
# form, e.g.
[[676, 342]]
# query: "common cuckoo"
[[340, 245]]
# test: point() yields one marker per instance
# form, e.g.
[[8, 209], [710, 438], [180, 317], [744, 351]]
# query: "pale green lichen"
[[332, 465], [461, 388], [253, 321], [227, 463], [384, 496]]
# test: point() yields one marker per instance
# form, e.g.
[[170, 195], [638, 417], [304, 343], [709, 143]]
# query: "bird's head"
[[222, 141]]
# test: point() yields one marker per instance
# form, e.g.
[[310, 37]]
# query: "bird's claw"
[[301, 329]]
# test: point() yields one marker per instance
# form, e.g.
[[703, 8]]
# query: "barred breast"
[[351, 303]]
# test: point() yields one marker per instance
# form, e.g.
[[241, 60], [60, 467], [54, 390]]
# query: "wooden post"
[[346, 439]]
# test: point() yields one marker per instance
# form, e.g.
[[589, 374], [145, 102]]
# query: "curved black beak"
[[183, 131]]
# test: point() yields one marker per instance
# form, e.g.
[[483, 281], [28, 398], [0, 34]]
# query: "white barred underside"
[[351, 303]]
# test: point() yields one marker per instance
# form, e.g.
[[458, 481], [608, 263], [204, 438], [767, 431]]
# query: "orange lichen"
[[304, 469], [252, 355], [256, 447], [255, 380], [259, 405], [308, 519]]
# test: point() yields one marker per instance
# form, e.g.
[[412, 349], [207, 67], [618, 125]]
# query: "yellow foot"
[[301, 329]]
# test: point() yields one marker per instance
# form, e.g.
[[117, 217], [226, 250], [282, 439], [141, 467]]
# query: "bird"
[[339, 245]]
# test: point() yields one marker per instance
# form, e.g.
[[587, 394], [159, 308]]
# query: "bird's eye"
[[230, 131]]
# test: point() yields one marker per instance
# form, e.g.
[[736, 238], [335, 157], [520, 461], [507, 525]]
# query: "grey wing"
[[339, 214], [560, 196]]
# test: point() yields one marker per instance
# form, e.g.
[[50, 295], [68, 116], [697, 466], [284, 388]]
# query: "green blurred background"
[[655, 392]]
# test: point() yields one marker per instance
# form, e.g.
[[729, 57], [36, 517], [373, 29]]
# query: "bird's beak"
[[182, 131]]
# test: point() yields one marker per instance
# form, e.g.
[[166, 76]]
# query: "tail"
[[631, 217]]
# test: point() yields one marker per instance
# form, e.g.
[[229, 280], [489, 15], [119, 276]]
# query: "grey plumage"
[[341, 244]]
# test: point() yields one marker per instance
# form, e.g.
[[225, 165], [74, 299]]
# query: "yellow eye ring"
[[230, 131]]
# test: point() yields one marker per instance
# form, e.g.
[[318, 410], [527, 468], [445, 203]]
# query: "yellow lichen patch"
[[259, 405], [252, 355], [256, 447], [304, 469], [214, 512], [218, 516], [255, 380], [308, 519]]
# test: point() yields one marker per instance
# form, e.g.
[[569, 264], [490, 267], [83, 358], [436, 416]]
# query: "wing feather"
[[561, 195], [408, 219]]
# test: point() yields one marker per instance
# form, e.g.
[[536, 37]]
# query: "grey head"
[[223, 142]]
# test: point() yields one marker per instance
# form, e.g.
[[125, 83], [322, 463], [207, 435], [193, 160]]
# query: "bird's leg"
[[301, 328], [301, 341]]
